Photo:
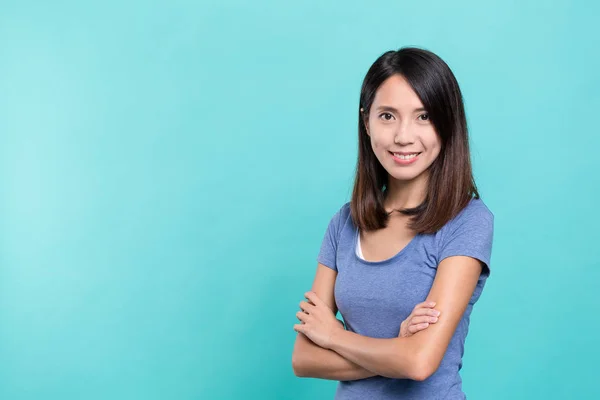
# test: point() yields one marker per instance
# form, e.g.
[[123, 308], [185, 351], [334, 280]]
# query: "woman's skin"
[[396, 123]]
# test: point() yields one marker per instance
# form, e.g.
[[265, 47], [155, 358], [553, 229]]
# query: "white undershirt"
[[358, 249]]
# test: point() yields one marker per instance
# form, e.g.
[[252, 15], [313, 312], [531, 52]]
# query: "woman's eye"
[[424, 117], [386, 115]]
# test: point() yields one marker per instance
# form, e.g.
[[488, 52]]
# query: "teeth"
[[406, 157]]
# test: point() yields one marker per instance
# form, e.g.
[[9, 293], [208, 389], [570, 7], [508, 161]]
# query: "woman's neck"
[[405, 194]]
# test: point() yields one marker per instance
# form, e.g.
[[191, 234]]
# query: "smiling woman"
[[415, 231], [399, 126]]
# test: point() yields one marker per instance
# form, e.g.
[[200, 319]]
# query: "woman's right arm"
[[310, 360]]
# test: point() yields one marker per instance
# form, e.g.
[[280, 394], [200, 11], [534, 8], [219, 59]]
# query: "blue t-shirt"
[[374, 297]]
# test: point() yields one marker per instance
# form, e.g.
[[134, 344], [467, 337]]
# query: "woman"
[[415, 232]]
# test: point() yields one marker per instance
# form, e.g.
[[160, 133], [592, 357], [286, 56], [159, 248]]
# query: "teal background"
[[168, 170]]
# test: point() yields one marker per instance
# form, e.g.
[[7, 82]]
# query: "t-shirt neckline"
[[396, 256]]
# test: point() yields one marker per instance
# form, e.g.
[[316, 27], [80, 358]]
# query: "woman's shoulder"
[[345, 209], [477, 206], [475, 212], [342, 214]]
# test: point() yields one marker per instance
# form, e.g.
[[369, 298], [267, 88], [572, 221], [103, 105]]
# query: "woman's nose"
[[403, 135]]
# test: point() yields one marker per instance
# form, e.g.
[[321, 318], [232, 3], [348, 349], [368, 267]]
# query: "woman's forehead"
[[397, 93]]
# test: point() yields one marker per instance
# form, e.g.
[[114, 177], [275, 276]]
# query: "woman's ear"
[[365, 119]]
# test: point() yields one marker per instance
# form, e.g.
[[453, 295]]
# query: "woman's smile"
[[404, 159]]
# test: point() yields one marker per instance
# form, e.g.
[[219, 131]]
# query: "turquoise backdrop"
[[168, 170]]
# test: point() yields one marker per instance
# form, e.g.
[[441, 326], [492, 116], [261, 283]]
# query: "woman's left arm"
[[416, 357]]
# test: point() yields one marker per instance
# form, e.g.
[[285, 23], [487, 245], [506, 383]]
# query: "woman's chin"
[[406, 176]]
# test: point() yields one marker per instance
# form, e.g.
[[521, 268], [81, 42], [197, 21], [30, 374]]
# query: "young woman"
[[415, 232]]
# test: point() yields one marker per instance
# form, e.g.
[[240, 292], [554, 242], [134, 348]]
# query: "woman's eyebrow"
[[392, 109]]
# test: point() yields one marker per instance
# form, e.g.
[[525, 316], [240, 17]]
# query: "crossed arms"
[[348, 356]]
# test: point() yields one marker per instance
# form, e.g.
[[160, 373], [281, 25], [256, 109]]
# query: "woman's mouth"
[[405, 158]]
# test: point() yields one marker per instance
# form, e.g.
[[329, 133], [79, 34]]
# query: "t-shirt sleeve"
[[328, 251], [470, 234]]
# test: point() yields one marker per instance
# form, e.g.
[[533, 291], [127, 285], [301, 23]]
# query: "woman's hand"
[[317, 320], [422, 315]]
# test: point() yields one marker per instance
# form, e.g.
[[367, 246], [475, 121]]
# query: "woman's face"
[[402, 136]]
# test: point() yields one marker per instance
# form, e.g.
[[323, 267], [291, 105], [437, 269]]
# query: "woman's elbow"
[[423, 368], [416, 364], [298, 365], [420, 374], [415, 372]]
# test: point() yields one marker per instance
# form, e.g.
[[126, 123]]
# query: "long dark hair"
[[451, 183]]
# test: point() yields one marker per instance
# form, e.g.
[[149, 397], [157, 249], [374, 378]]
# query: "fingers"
[[425, 308], [420, 318], [306, 306], [420, 323], [426, 311], [302, 316], [418, 327], [426, 304], [423, 319], [312, 296]]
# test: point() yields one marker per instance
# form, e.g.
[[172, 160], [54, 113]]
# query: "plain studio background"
[[168, 170]]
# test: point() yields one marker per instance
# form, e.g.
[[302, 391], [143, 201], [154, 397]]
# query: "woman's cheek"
[[375, 143]]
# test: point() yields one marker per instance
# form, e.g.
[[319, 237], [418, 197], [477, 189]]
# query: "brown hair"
[[451, 184]]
